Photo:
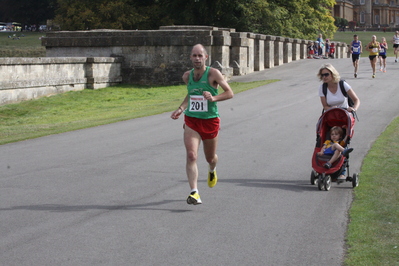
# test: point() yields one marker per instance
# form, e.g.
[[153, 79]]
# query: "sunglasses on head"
[[324, 75]]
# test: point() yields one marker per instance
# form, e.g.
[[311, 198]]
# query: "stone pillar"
[[251, 52], [279, 51], [348, 51], [345, 52], [296, 49], [259, 61], [338, 51], [239, 53], [304, 49], [287, 50], [269, 51], [221, 52]]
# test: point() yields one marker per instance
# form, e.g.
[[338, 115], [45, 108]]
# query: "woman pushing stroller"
[[336, 93]]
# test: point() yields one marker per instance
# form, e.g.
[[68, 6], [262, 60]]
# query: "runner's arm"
[[216, 78]]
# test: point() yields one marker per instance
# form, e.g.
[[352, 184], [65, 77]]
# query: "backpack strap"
[[325, 89], [351, 103], [325, 94], [341, 85]]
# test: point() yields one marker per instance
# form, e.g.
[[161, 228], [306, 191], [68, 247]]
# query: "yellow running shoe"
[[212, 179], [194, 198]]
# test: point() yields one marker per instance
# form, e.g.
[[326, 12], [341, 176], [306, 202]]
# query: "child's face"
[[335, 136]]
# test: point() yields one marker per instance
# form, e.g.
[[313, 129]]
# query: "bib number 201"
[[198, 103]]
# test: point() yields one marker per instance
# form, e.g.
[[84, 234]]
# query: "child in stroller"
[[335, 147]]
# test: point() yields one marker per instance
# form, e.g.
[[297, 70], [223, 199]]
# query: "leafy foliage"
[[27, 11], [296, 19]]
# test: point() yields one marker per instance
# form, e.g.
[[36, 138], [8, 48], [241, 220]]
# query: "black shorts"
[[355, 57], [383, 56], [371, 57], [395, 45]]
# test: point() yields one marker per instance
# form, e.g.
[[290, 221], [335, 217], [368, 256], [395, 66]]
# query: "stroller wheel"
[[321, 180], [313, 177], [355, 180], [327, 183]]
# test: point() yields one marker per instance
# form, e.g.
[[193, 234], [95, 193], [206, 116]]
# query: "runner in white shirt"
[[395, 41]]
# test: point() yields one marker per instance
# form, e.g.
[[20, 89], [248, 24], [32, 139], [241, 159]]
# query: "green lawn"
[[87, 108], [21, 44], [373, 233]]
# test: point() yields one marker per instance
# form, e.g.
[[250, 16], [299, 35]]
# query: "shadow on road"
[[77, 208], [290, 185]]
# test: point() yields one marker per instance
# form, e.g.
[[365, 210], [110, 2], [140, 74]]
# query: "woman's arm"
[[356, 101], [324, 103]]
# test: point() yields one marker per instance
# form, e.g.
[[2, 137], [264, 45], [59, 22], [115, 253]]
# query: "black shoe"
[[346, 152], [327, 165]]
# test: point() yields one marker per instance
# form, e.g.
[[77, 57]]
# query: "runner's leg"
[[192, 140], [210, 146]]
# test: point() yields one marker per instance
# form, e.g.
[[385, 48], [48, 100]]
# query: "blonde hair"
[[334, 73]]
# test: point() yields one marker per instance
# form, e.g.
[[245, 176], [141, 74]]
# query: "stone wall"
[[99, 58], [160, 57], [29, 78]]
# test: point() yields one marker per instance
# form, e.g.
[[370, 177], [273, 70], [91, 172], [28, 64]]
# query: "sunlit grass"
[[373, 234], [88, 108]]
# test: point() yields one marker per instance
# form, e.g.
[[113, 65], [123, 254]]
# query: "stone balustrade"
[[29, 78], [98, 58]]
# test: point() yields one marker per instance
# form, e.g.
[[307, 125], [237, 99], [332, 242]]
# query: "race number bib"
[[355, 49], [375, 50], [198, 103]]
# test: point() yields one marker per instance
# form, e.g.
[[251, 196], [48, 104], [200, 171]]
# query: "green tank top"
[[198, 106]]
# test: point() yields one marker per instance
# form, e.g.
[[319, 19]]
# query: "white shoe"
[[341, 179]]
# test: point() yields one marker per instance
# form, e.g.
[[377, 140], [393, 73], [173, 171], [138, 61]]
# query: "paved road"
[[115, 194]]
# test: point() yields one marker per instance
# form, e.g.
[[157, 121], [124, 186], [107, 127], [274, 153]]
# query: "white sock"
[[212, 170], [194, 190]]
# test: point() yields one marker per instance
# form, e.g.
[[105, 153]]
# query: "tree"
[[104, 14], [296, 19], [299, 19], [27, 11]]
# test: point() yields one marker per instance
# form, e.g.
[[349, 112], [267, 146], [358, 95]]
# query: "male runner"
[[356, 50], [201, 118]]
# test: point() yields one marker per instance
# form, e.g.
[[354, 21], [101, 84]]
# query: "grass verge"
[[87, 108], [373, 233]]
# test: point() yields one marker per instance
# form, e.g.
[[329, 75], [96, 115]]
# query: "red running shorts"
[[207, 128]]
